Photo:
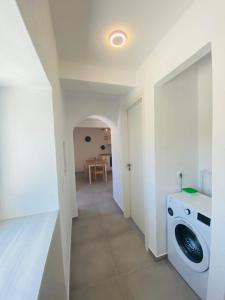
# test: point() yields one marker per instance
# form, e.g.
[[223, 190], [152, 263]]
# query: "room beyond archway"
[[93, 157]]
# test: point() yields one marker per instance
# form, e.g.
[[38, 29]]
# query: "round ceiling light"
[[118, 39]]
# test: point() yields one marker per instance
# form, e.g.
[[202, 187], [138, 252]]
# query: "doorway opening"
[[93, 162]]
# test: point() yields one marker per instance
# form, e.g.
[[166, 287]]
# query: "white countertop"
[[24, 246]]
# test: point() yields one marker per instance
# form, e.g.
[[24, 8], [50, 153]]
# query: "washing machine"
[[188, 236]]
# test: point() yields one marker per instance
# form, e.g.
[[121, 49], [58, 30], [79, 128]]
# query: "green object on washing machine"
[[190, 190]]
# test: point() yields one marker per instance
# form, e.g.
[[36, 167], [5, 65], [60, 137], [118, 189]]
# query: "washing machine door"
[[190, 245]]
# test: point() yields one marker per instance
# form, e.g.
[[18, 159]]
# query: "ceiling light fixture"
[[118, 38]]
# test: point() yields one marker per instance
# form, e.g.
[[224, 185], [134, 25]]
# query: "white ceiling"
[[78, 86], [82, 28]]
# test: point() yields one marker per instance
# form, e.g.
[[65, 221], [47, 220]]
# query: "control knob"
[[187, 211], [170, 211]]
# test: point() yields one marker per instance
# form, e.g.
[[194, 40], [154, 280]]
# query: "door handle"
[[129, 166]]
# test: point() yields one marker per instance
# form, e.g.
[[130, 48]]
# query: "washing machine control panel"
[[187, 211], [170, 211], [204, 219]]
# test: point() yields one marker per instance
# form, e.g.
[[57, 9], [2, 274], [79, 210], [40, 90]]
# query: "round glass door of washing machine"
[[190, 245]]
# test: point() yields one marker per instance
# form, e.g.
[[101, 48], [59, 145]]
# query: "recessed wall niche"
[[183, 134]]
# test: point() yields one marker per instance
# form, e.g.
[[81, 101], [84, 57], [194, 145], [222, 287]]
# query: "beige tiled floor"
[[108, 259]]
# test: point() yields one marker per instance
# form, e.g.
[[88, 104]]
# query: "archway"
[[111, 150]]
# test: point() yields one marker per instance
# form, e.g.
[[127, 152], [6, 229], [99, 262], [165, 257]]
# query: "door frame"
[[71, 156], [138, 100]]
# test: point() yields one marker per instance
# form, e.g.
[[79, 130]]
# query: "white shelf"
[[24, 246]]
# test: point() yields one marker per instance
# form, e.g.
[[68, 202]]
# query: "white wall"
[[28, 168], [26, 133], [23, 67], [176, 130], [83, 150], [37, 17], [118, 163], [205, 122], [183, 45]]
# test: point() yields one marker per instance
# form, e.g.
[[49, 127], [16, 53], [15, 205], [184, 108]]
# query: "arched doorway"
[[93, 140]]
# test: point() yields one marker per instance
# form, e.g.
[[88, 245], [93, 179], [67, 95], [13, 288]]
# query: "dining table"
[[92, 163]]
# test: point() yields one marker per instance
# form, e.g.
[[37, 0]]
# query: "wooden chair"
[[100, 169]]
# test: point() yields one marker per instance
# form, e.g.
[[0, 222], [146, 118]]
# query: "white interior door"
[[135, 160]]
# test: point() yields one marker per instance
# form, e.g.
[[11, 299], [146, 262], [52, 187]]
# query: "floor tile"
[[115, 224], [100, 198], [109, 208], [90, 263], [87, 230], [158, 283], [109, 261], [84, 199], [88, 211], [128, 251], [106, 290]]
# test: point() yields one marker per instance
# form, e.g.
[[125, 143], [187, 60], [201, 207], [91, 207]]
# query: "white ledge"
[[24, 246]]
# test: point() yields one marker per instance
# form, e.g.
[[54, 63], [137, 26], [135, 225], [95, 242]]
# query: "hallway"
[[108, 258]]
